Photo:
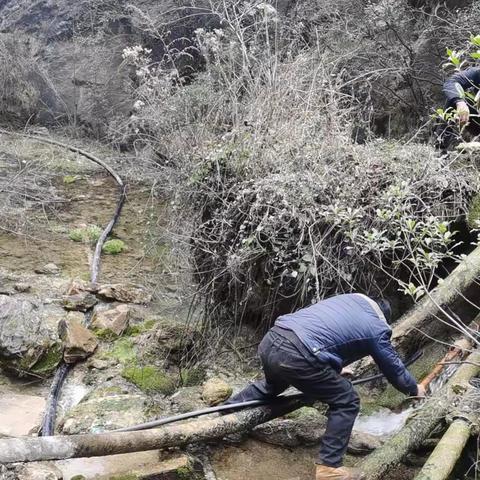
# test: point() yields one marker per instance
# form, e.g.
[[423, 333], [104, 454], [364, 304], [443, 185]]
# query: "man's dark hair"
[[385, 307]]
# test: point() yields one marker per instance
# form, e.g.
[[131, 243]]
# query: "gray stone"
[[187, 399], [81, 302], [127, 293], [28, 335], [48, 269], [108, 412]]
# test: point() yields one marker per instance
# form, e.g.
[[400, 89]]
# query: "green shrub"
[[113, 247], [89, 234]]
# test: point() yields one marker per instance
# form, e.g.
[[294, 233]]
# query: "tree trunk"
[[426, 318], [446, 453], [417, 430], [31, 449]]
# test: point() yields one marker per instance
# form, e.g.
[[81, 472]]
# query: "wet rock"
[[20, 414], [28, 335], [108, 412], [6, 290], [81, 302], [187, 399], [39, 471], [79, 342], [77, 286], [307, 428], [114, 320], [48, 269], [98, 364], [22, 287], [364, 443], [125, 293], [216, 391]]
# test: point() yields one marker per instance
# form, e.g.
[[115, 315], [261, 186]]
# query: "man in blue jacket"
[[461, 92], [308, 350]]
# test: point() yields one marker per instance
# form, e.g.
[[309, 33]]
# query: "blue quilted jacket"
[[345, 328]]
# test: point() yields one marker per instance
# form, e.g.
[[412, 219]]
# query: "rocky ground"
[[140, 358]]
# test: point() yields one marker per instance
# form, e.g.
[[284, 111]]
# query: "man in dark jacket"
[[308, 350], [462, 96]]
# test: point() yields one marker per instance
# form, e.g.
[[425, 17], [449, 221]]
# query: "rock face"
[[124, 293], [216, 391], [114, 320], [79, 342], [28, 335]]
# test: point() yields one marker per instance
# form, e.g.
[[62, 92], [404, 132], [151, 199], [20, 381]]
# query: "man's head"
[[385, 307]]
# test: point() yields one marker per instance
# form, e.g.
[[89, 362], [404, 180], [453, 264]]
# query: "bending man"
[[308, 349]]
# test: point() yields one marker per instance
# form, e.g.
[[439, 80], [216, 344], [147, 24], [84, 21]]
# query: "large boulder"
[[29, 341], [109, 409]]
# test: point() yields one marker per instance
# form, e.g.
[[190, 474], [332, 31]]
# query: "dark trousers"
[[285, 365]]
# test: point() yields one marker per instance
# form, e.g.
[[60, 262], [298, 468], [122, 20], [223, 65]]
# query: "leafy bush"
[[113, 247], [282, 208]]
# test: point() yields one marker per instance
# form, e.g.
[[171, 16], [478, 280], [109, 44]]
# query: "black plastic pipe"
[[242, 405]]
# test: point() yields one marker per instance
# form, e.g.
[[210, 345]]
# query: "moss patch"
[[49, 361], [134, 330], [473, 217], [304, 412], [113, 247], [150, 379], [123, 350]]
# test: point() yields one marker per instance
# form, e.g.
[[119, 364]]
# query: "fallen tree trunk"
[[417, 430], [442, 460], [31, 449], [426, 319]]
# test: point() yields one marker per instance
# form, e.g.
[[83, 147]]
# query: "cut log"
[[427, 320], [378, 464], [30, 449]]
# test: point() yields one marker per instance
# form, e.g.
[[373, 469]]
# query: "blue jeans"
[[284, 365]]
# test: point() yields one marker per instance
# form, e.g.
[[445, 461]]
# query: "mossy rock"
[[113, 247], [191, 377], [150, 379], [123, 351], [49, 361], [78, 477], [303, 412]]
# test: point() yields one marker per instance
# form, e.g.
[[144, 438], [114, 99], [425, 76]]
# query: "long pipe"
[[242, 405]]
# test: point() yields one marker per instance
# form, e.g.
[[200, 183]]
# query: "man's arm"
[[455, 86], [392, 367]]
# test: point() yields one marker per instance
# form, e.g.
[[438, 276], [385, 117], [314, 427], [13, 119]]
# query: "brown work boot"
[[340, 473]]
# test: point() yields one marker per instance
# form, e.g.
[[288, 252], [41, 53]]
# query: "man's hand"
[[463, 112], [421, 392]]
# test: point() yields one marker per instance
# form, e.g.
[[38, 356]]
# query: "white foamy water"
[[72, 395], [381, 423]]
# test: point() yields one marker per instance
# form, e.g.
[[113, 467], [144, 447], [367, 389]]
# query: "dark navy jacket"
[[345, 328], [458, 83]]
